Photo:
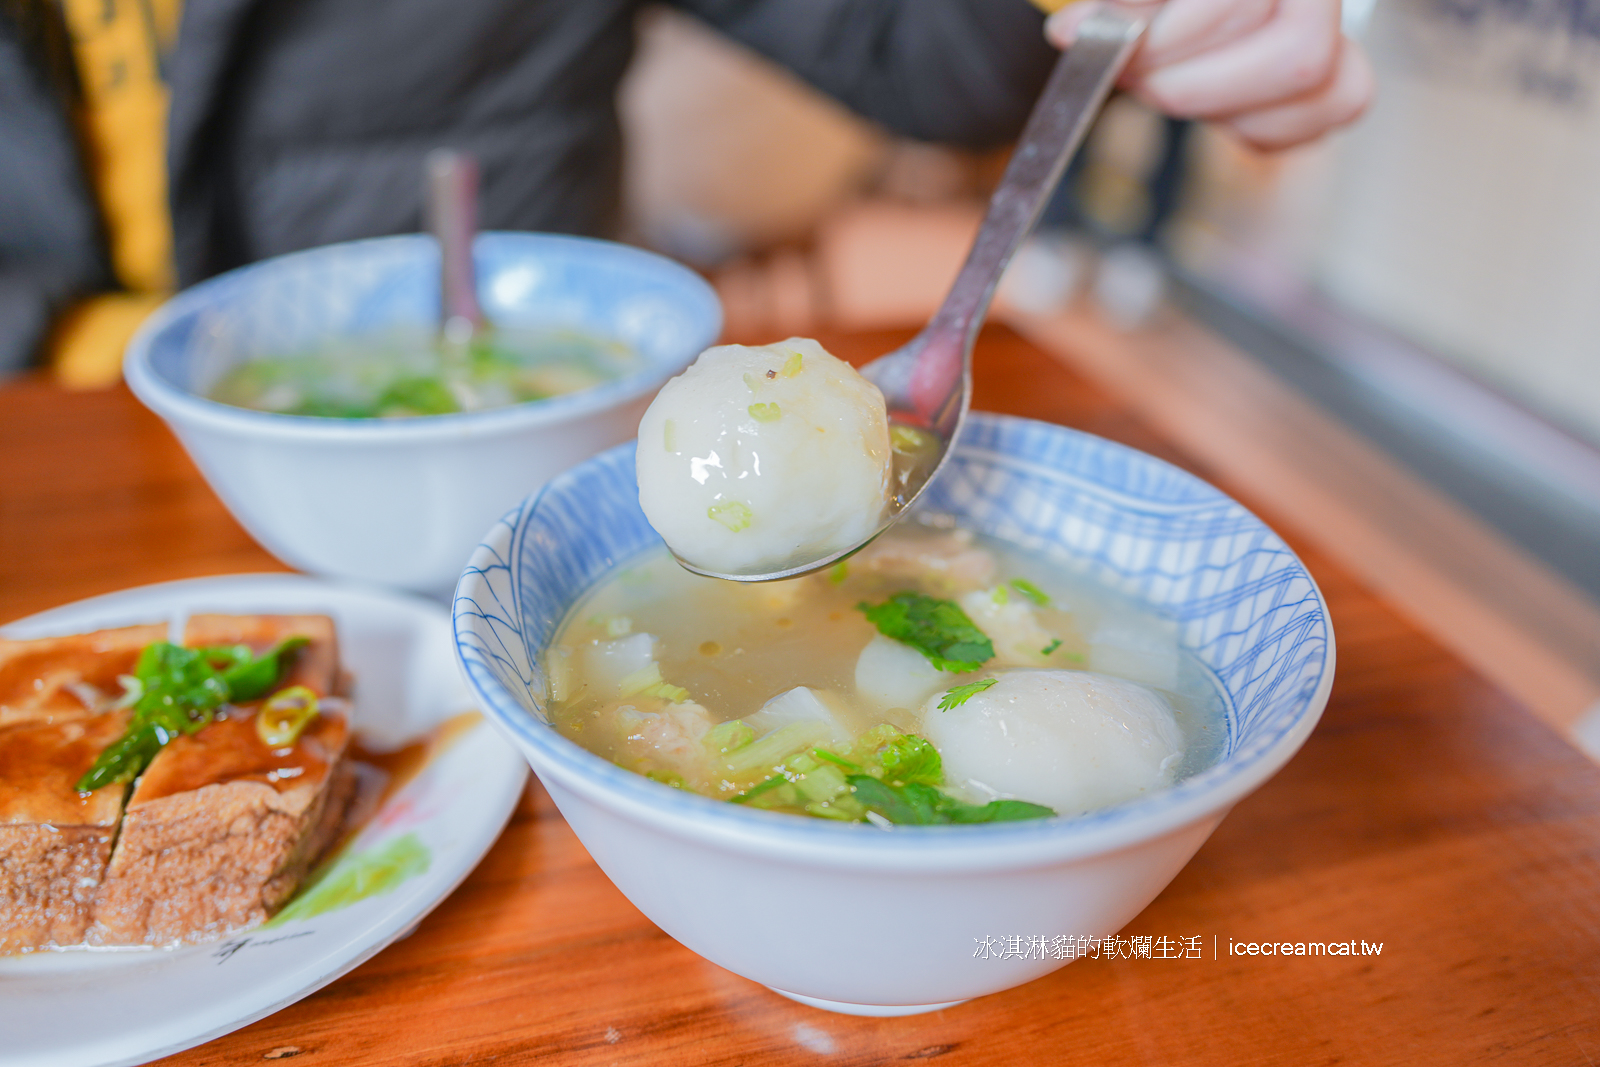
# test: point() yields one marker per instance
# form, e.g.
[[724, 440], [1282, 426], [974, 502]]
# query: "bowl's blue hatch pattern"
[[1241, 601]]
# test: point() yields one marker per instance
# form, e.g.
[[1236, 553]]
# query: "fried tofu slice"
[[55, 679], [221, 829], [54, 841]]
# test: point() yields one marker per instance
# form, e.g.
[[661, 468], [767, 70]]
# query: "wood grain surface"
[[1428, 812]]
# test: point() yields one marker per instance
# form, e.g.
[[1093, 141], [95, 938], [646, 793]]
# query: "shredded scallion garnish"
[[732, 514]]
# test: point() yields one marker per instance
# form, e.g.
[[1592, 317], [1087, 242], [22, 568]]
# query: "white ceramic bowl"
[[853, 918], [402, 502]]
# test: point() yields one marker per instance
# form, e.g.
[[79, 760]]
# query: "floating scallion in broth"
[[404, 373]]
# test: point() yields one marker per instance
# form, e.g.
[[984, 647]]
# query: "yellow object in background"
[[117, 46], [1050, 7], [88, 340]]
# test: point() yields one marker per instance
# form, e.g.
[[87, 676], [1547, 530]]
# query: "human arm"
[[957, 71]]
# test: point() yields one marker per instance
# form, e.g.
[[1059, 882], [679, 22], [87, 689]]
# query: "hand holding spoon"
[[927, 383]]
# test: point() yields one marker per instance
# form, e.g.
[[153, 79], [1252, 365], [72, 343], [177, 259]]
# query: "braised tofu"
[[221, 828], [54, 679], [54, 841], [316, 666]]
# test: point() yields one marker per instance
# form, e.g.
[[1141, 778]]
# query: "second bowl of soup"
[[1009, 722], [314, 394]]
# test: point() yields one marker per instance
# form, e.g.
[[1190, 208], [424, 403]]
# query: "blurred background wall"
[[1431, 276]]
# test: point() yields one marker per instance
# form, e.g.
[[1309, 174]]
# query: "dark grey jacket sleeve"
[[50, 243], [959, 71]]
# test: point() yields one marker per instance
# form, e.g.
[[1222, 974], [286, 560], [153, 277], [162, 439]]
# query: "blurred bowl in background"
[[403, 502]]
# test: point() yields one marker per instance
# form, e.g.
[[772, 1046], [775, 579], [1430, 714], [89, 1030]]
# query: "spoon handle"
[[453, 218], [1078, 86]]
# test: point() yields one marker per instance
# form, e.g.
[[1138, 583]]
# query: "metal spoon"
[[453, 218], [927, 383]]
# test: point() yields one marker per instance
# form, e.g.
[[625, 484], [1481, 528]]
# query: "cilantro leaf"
[[916, 804], [909, 758], [998, 811], [911, 804], [939, 629], [963, 693]]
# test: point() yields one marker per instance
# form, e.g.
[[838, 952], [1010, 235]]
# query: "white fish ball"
[[1072, 740], [755, 459]]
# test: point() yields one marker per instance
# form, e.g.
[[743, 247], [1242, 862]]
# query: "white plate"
[[82, 1008]]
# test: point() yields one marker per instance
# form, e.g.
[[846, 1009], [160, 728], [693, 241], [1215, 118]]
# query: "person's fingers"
[[1062, 27], [1277, 72], [1178, 28], [1293, 54], [1185, 28], [1342, 100]]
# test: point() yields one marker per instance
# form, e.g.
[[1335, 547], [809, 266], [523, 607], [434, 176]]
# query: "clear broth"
[[734, 646]]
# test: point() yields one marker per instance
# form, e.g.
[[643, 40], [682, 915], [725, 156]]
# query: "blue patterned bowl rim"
[[164, 338], [1276, 666]]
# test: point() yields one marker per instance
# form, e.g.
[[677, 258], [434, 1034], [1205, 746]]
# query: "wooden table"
[[1427, 813]]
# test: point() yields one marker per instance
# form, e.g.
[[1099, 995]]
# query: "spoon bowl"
[[927, 382]]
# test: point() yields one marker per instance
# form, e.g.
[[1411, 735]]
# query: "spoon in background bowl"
[[453, 218], [927, 383]]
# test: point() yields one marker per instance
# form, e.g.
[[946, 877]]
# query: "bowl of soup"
[[926, 774], [321, 401]]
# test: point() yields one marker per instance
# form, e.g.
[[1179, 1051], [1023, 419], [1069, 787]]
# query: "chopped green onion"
[[822, 783], [132, 690], [1031, 591], [177, 690], [668, 778], [732, 514], [767, 753], [999, 595], [756, 790], [726, 737], [904, 438], [675, 694], [1051, 647], [282, 718], [839, 572], [640, 680], [837, 760], [765, 412], [791, 366]]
